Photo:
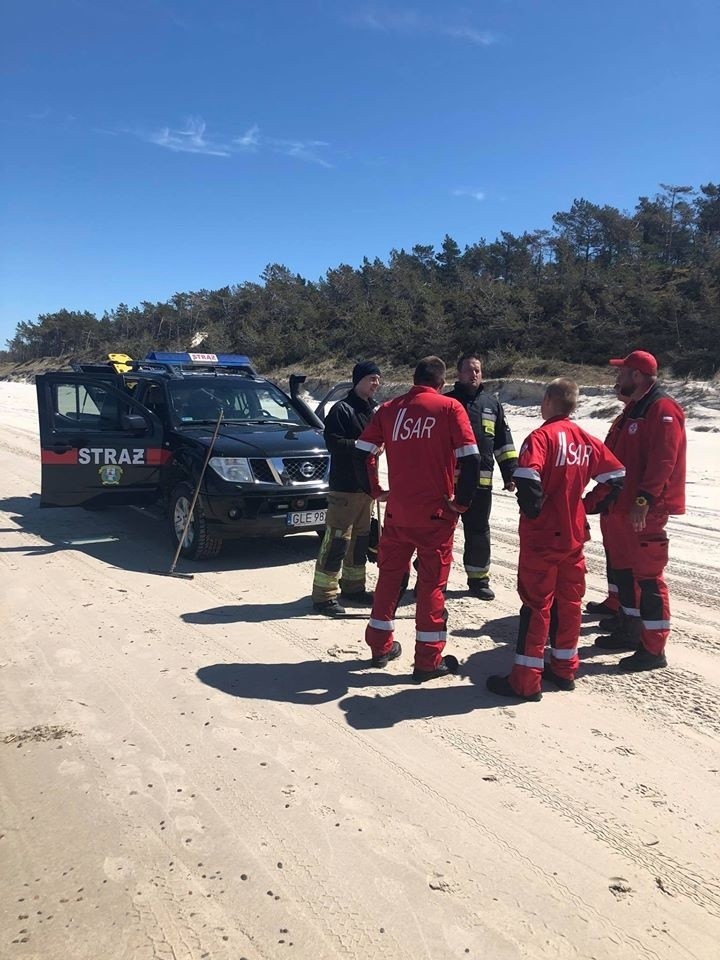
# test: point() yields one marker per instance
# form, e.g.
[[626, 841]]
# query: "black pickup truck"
[[139, 432]]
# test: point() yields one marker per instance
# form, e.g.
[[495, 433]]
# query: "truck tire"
[[199, 544]]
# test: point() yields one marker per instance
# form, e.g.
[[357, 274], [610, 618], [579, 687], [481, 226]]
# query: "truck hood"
[[263, 440]]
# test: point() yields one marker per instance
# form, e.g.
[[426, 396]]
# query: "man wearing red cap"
[[649, 438]]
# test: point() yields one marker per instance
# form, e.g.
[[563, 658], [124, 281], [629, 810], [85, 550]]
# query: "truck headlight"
[[233, 469]]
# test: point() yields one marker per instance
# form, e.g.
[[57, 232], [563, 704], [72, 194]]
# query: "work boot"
[[562, 683], [329, 608], [480, 589], [383, 659], [601, 609], [626, 636], [448, 665], [361, 598], [610, 624], [642, 660], [501, 687]]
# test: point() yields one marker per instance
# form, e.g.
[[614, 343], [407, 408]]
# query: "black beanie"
[[364, 369]]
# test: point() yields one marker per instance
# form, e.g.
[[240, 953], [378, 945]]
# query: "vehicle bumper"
[[233, 517]]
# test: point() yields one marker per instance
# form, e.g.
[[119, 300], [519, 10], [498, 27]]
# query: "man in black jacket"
[[494, 442], [347, 527]]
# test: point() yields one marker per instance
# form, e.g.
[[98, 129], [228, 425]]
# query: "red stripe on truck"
[[49, 456]]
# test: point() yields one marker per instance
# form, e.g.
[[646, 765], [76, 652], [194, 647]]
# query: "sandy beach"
[[206, 769]]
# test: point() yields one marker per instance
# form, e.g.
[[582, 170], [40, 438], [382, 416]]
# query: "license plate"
[[306, 518]]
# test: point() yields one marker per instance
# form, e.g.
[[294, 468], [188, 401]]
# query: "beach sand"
[[207, 769]]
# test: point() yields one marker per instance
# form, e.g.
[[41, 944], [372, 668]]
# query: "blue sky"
[[156, 146]]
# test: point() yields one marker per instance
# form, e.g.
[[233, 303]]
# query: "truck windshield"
[[241, 401]]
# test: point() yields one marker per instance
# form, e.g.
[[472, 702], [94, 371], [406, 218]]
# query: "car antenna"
[[171, 572]]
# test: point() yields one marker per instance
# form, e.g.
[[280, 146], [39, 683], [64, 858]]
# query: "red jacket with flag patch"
[[649, 438], [424, 434], [556, 463]]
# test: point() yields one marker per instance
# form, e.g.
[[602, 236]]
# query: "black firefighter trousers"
[[476, 524]]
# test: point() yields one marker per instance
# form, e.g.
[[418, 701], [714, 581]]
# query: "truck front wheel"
[[199, 543]]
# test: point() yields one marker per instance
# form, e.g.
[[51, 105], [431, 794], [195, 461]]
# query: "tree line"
[[599, 282]]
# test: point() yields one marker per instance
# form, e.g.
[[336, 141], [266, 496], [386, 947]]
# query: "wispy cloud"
[[250, 140], [473, 194], [193, 138], [409, 22], [307, 150]]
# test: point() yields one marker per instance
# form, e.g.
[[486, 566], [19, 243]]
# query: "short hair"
[[429, 372], [563, 394], [468, 356]]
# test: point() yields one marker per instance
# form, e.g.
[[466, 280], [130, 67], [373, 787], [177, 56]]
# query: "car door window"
[[89, 406]]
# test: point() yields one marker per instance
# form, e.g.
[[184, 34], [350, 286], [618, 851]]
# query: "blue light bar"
[[201, 359]]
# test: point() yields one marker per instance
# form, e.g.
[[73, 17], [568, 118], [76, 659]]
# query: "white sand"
[[289, 797]]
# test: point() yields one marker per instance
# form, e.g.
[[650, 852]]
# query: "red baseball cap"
[[639, 360]]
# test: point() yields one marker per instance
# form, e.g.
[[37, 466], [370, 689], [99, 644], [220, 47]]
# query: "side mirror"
[[133, 423], [295, 380]]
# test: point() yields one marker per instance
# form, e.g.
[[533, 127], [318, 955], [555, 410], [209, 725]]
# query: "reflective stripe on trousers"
[[547, 581], [347, 528], [396, 549], [638, 561]]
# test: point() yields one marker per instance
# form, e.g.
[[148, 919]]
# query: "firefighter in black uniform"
[[494, 442]]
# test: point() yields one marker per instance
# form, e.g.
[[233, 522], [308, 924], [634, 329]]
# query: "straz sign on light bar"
[[203, 357]]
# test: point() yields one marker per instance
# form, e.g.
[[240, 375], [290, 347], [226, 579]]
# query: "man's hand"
[[637, 516], [382, 497], [510, 485], [454, 507]]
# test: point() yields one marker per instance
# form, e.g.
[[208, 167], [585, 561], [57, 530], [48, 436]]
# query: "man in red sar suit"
[[424, 435], [649, 438], [555, 465]]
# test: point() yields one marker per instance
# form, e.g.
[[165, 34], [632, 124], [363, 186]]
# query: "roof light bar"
[[201, 359]]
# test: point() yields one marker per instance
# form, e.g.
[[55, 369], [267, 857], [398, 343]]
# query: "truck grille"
[[305, 469], [261, 470], [290, 470]]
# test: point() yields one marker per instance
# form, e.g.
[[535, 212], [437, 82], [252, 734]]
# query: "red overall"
[[555, 465], [650, 440], [424, 434]]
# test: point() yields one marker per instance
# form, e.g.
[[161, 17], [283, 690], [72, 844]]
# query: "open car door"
[[332, 396], [99, 447]]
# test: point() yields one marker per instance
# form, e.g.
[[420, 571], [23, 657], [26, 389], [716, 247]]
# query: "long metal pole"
[[196, 494]]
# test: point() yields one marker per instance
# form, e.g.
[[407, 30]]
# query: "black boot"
[[501, 687], [642, 660], [448, 665], [329, 608], [562, 683], [384, 658], [480, 589], [592, 608], [626, 636], [362, 598]]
